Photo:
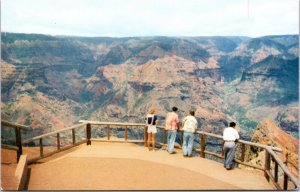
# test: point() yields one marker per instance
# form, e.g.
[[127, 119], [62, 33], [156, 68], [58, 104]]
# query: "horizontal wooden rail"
[[54, 132], [260, 145], [210, 134], [111, 123], [15, 125], [239, 141], [282, 166], [18, 128], [242, 141], [33, 160], [118, 141], [213, 154], [160, 127], [164, 145], [249, 165], [10, 147]]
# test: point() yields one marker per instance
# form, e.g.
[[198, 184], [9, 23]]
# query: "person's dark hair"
[[174, 109], [192, 113], [232, 124]]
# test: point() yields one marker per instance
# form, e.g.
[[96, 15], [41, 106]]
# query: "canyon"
[[51, 82]]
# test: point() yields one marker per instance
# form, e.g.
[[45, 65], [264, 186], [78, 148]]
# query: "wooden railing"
[[269, 151], [270, 155], [18, 137], [203, 136], [59, 147], [126, 125]]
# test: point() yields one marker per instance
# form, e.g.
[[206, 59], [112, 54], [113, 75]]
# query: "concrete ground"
[[8, 168], [125, 166]]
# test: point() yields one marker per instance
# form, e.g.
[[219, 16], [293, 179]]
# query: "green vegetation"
[[86, 96], [28, 119], [140, 101], [224, 44], [239, 113], [12, 37]]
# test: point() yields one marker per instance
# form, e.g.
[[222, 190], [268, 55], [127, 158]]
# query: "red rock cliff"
[[268, 132]]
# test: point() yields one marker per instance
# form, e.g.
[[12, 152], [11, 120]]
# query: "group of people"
[[189, 127]]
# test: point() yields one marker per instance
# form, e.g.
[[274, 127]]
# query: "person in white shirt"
[[189, 125], [230, 137]]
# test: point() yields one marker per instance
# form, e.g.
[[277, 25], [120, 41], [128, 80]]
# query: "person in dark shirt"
[[151, 121]]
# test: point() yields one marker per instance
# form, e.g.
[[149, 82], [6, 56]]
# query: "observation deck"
[[121, 164], [126, 166]]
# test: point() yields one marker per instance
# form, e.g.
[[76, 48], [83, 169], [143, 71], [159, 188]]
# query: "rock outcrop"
[[268, 133]]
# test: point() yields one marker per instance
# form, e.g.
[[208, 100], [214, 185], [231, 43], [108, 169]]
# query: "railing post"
[[73, 136], [267, 164], [203, 138], [286, 154], [108, 132], [222, 148], [126, 132], [285, 177], [285, 181], [164, 137], [276, 172], [88, 134], [145, 136], [18, 142], [182, 132], [58, 142], [243, 147], [41, 148]]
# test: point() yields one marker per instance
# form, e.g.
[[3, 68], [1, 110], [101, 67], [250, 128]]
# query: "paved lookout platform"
[[127, 166]]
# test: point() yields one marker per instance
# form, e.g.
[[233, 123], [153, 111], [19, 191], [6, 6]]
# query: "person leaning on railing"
[[189, 125], [171, 126], [151, 121], [230, 138]]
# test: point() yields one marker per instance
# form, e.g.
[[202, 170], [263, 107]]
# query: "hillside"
[[268, 133], [50, 82]]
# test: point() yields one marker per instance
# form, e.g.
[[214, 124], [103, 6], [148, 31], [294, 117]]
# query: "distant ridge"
[[50, 82]]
